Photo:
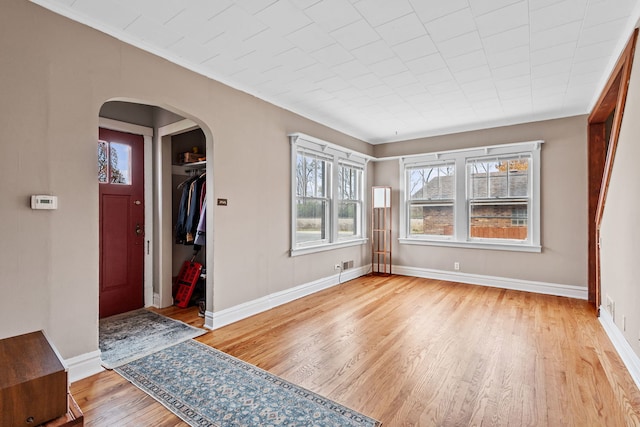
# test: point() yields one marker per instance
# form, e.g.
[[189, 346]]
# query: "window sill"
[[326, 247], [516, 247]]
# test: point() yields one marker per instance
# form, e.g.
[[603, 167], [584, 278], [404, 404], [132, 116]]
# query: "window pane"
[[349, 202], [349, 183], [430, 183], [348, 219], [485, 179], [499, 220], [311, 176], [311, 220], [478, 181], [120, 163], [434, 220], [498, 184], [300, 176], [499, 178], [519, 178], [103, 170]]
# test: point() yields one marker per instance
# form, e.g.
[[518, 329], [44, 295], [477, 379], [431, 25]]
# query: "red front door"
[[121, 175]]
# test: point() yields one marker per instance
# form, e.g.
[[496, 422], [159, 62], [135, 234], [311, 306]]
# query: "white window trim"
[[338, 154], [460, 239]]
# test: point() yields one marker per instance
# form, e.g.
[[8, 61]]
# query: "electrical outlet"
[[611, 307], [456, 266], [337, 267]]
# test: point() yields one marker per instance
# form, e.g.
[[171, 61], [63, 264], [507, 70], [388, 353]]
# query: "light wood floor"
[[417, 352]]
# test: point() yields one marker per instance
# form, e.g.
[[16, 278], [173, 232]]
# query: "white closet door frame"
[[164, 246]]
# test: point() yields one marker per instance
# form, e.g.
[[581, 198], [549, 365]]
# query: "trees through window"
[[327, 195], [312, 199], [350, 199], [114, 163]]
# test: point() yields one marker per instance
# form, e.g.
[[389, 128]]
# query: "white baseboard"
[[233, 314], [626, 353], [570, 291], [84, 365], [250, 308], [208, 320]]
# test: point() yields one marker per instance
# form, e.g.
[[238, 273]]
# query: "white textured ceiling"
[[386, 70]]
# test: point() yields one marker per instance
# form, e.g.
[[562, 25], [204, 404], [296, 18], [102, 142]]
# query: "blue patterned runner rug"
[[206, 387]]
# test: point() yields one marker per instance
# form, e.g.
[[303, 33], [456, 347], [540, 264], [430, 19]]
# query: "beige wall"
[[563, 211], [620, 229], [54, 77]]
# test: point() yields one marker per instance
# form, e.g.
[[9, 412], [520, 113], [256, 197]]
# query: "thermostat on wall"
[[44, 202]]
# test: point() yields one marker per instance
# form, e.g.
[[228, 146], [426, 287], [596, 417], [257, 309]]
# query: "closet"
[[188, 184]]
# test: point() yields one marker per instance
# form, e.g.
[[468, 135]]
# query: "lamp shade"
[[381, 197]]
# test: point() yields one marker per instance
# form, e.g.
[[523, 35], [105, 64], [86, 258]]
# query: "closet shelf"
[[184, 168]]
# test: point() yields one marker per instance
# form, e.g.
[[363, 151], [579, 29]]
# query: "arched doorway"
[[160, 127]]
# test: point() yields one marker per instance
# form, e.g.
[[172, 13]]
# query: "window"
[[114, 164], [430, 191], [312, 199], [349, 202], [498, 192], [327, 195], [484, 197]]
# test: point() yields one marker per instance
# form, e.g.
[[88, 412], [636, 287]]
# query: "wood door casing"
[[601, 149], [122, 228]]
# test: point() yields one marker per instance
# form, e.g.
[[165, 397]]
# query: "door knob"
[[138, 230]]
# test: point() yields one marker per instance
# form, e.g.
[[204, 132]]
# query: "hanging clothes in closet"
[[190, 209], [202, 224]]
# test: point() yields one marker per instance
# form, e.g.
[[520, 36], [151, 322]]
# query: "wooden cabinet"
[[73, 417], [33, 381]]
